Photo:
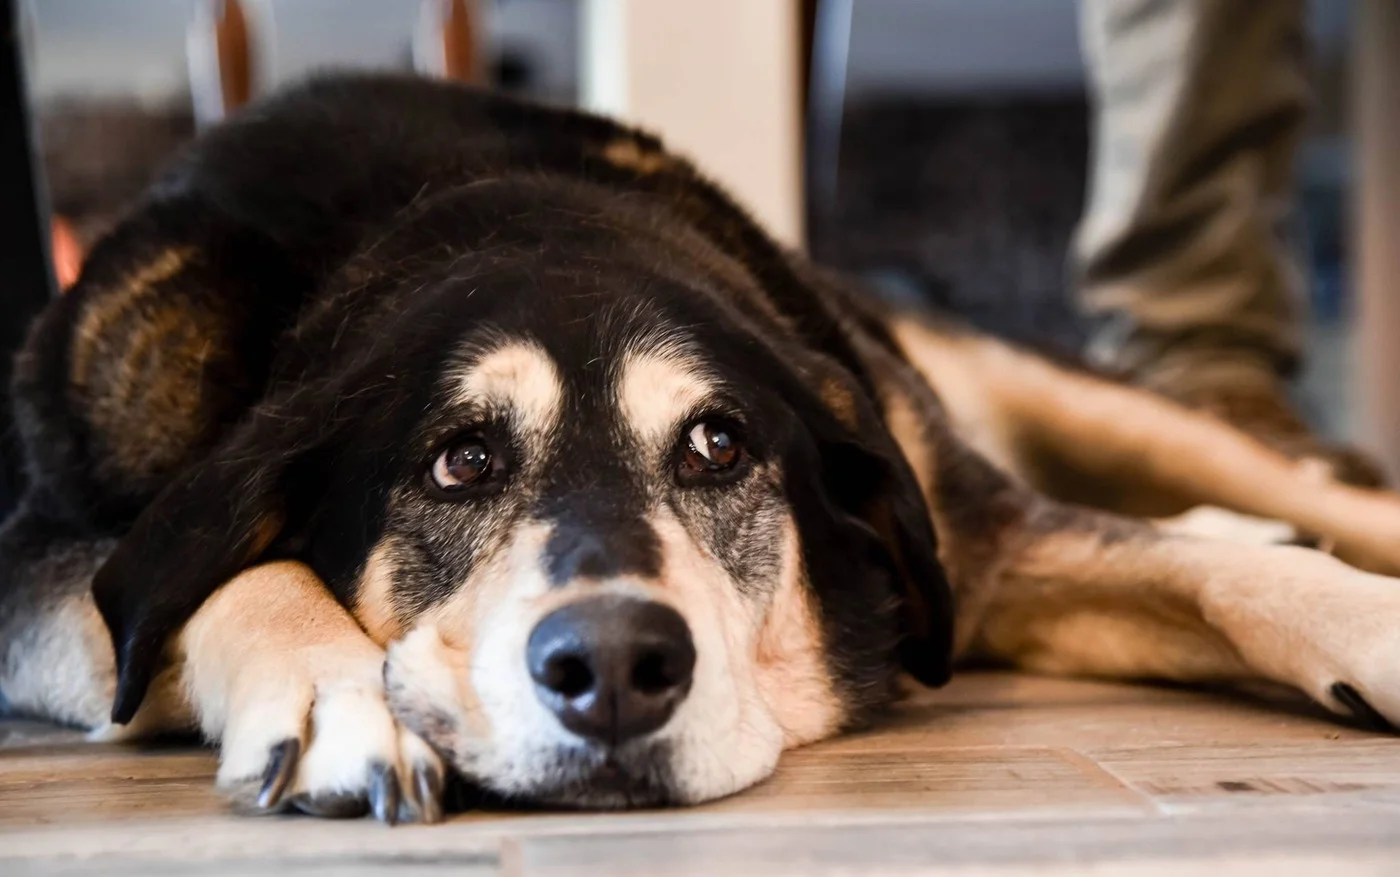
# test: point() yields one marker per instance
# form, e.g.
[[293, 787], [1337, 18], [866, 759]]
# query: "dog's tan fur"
[[1082, 592], [272, 657]]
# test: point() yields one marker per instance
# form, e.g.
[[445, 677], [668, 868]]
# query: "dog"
[[403, 432]]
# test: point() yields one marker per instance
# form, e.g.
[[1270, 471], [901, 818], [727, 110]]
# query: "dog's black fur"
[[247, 359]]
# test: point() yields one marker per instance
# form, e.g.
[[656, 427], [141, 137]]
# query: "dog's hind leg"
[[134, 374], [1067, 590], [1088, 593], [1085, 439]]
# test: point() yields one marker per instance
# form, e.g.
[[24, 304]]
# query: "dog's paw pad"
[[1360, 708], [331, 805]]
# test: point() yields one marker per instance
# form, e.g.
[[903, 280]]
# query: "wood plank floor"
[[997, 774]]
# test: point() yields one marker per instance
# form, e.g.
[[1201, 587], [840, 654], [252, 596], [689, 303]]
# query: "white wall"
[[718, 80]]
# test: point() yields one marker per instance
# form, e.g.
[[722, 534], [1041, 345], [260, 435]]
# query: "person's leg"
[[1183, 249]]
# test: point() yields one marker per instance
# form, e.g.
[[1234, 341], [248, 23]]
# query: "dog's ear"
[[212, 521], [861, 511]]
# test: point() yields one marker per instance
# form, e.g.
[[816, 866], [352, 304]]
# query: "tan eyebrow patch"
[[519, 375], [659, 388], [374, 599]]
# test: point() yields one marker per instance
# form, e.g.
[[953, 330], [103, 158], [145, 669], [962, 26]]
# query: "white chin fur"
[[459, 678], [482, 714]]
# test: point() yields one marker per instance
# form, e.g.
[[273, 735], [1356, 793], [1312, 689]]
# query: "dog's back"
[[175, 327]]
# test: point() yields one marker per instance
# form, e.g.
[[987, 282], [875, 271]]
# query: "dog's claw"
[[427, 786], [384, 793], [281, 767], [1362, 710]]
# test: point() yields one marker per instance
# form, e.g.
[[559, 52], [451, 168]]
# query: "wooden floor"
[[997, 774]]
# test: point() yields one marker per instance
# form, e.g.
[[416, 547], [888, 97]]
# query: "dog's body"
[[388, 383]]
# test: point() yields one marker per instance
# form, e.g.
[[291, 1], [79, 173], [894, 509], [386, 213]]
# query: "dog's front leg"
[[292, 689], [1079, 592]]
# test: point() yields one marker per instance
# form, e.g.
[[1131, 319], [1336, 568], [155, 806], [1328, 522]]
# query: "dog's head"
[[625, 531]]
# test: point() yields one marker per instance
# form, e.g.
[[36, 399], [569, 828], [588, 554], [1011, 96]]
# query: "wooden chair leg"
[[450, 41], [1377, 228], [223, 51]]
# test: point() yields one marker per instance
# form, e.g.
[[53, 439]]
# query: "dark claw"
[[427, 783], [1365, 714], [384, 793], [281, 767]]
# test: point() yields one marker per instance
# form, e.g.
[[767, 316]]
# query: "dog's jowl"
[[403, 430]]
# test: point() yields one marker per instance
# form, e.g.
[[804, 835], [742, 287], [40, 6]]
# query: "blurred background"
[[937, 147]]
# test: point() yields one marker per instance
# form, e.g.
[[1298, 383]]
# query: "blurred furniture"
[[448, 41], [827, 36], [1376, 114], [223, 49], [719, 80], [228, 46], [24, 266]]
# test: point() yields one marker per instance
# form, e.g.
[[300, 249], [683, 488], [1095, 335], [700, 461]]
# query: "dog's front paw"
[[317, 736], [1360, 674], [1327, 628]]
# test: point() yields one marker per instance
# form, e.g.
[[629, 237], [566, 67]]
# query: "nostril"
[[568, 675], [653, 674]]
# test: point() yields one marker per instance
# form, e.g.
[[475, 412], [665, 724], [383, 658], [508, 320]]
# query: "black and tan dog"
[[402, 427]]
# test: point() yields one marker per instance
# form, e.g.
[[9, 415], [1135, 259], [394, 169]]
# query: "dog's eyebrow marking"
[[519, 375], [658, 387]]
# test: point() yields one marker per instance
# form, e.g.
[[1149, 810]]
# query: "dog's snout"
[[623, 547], [612, 669]]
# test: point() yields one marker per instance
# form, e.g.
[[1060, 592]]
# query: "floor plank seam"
[[1095, 768]]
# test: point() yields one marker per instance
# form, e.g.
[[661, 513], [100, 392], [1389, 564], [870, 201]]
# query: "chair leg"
[[223, 50], [449, 41], [830, 37], [24, 251], [1377, 228]]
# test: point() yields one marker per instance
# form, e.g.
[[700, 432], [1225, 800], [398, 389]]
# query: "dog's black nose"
[[612, 668]]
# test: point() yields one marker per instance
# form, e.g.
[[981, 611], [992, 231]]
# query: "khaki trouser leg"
[[1200, 105]]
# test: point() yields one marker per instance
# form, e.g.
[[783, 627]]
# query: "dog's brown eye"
[[710, 447], [462, 465]]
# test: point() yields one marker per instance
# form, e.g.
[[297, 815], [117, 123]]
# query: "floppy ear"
[[862, 504], [215, 519]]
